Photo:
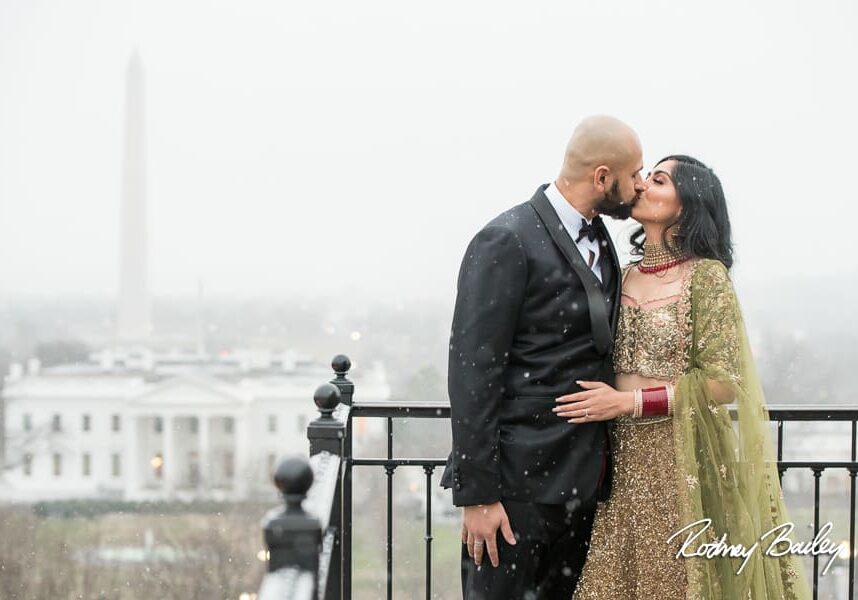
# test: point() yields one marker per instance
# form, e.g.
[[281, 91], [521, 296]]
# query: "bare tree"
[[17, 447]]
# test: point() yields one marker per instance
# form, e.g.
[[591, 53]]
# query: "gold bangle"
[[638, 411], [670, 398]]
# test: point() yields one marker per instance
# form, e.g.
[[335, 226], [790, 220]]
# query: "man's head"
[[602, 167]]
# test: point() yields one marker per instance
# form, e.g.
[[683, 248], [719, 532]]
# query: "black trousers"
[[545, 563]]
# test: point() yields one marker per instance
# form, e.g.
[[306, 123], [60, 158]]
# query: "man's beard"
[[612, 204]]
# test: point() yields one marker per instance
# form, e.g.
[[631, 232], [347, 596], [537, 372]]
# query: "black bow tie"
[[591, 231]]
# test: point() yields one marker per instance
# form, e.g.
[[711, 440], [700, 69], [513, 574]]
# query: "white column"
[[132, 468], [205, 452], [242, 440], [170, 457]]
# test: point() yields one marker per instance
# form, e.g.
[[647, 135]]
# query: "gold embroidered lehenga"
[[699, 463]]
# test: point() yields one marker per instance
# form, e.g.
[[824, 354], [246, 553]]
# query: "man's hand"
[[479, 531]]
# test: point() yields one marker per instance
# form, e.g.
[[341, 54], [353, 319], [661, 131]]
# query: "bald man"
[[536, 309]]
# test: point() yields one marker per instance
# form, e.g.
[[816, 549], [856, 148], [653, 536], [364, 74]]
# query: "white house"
[[137, 425]]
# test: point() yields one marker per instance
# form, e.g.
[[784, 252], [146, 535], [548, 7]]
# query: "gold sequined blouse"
[[655, 342]]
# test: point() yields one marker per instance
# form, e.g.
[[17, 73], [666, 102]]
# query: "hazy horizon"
[[304, 149]]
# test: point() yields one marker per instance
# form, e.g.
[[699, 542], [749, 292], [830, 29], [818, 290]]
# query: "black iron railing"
[[331, 543], [780, 415], [304, 540]]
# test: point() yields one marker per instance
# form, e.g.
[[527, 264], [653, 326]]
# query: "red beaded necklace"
[[663, 266], [658, 258]]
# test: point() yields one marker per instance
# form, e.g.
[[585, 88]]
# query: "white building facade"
[[140, 426]]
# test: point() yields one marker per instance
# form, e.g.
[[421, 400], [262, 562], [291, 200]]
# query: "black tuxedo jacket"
[[530, 319]]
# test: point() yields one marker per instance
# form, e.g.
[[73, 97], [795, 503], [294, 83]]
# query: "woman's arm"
[[715, 325]]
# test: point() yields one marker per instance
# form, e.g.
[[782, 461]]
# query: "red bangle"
[[654, 402]]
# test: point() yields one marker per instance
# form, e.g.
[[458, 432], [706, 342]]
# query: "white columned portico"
[[204, 451], [170, 457], [240, 482]]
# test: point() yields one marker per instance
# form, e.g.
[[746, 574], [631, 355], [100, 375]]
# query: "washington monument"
[[134, 319]]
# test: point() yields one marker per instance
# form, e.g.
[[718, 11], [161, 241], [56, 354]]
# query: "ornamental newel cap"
[[327, 397], [341, 364], [293, 478]]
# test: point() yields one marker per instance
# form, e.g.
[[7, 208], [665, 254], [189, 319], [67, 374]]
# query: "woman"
[[681, 356]]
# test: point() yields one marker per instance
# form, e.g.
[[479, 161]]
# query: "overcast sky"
[[307, 146]]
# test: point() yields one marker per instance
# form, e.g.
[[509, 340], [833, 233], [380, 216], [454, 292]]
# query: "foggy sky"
[[306, 147]]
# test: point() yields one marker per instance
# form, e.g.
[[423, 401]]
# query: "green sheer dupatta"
[[726, 470]]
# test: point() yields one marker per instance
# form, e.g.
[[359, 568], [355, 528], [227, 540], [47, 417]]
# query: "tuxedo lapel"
[[600, 320], [616, 284]]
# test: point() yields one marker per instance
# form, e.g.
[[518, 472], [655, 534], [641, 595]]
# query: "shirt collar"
[[570, 217]]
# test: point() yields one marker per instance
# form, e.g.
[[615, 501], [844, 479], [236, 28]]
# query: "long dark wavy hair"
[[703, 225]]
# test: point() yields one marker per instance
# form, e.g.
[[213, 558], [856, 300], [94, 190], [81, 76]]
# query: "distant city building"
[[139, 425]]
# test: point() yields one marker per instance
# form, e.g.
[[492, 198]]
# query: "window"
[[58, 465], [228, 465], [57, 423], [115, 465], [86, 466], [272, 423], [116, 423], [302, 423], [228, 424], [28, 464], [28, 422], [195, 425], [85, 424], [157, 463], [272, 464], [194, 468], [159, 424]]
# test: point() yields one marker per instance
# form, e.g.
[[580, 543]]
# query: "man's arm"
[[491, 288]]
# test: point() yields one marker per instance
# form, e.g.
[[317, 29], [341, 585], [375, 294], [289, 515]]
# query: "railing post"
[[294, 538], [326, 433], [817, 474], [341, 365]]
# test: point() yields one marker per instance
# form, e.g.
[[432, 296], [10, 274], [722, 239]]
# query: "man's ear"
[[602, 177]]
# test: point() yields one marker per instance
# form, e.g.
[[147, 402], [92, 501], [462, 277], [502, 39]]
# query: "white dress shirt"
[[571, 220]]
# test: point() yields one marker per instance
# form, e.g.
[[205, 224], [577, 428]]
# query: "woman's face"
[[659, 202]]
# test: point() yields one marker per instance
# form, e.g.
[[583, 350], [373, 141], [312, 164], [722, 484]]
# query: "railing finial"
[[341, 364], [327, 397], [326, 433], [293, 478], [293, 536]]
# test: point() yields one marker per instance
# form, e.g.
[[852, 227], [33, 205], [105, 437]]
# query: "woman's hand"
[[598, 402]]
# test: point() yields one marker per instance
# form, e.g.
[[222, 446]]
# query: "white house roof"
[[190, 390], [138, 376], [187, 386], [74, 387]]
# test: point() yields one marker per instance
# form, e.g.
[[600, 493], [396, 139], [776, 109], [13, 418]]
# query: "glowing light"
[[263, 555], [355, 336], [157, 462]]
